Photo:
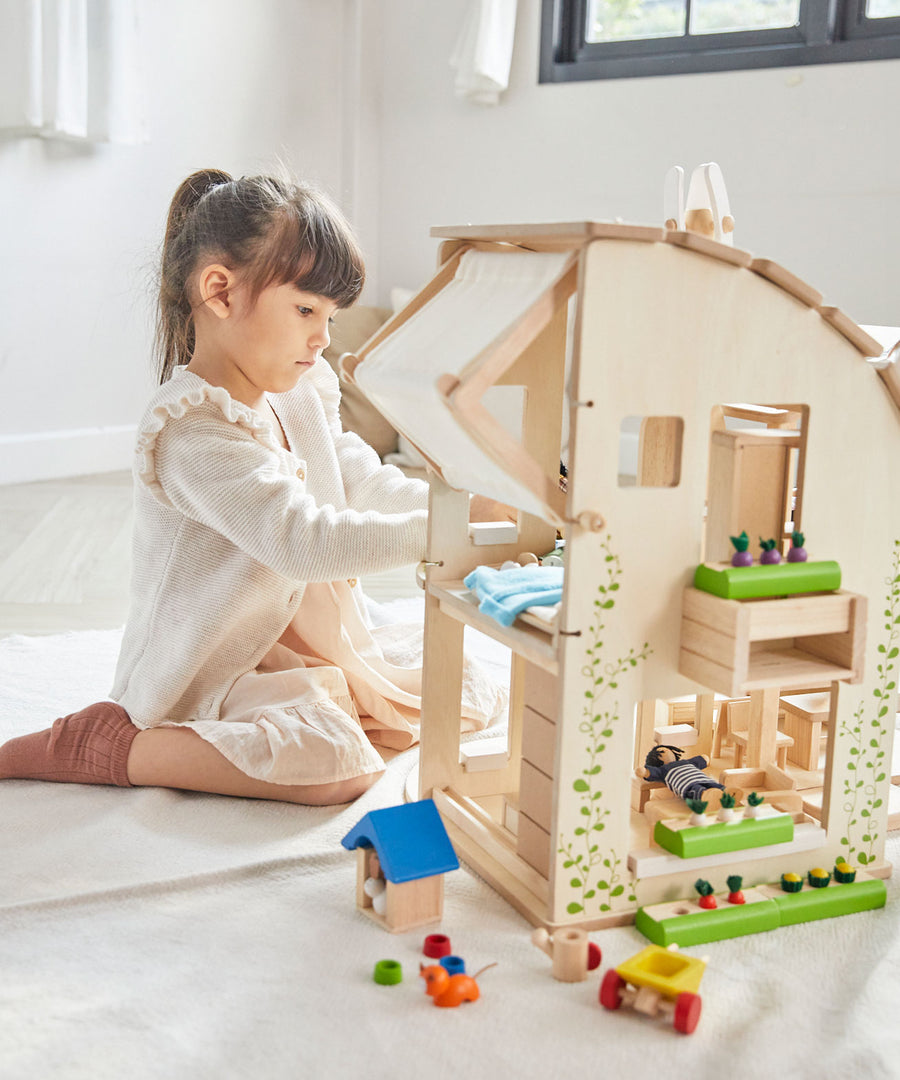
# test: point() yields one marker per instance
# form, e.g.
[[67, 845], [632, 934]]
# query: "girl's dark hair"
[[652, 759], [270, 231]]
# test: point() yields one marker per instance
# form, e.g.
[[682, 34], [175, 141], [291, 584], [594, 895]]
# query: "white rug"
[[153, 934]]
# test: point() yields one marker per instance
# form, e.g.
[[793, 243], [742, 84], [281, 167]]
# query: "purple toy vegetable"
[[797, 552], [741, 556], [770, 553]]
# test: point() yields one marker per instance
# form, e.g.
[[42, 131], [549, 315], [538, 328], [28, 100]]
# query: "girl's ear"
[[215, 284]]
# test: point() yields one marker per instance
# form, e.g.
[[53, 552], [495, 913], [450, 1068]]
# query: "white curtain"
[[483, 53], [71, 69]]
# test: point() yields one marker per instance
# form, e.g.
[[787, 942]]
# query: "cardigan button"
[[351, 582], [301, 474]]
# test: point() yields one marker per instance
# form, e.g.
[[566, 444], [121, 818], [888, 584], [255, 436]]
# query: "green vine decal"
[[597, 874], [868, 753]]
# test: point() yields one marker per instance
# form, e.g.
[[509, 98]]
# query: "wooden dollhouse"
[[748, 405]]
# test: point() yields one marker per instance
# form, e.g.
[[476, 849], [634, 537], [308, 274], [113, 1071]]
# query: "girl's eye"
[[305, 310]]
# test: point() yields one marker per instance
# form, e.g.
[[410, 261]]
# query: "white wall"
[[358, 96], [811, 156], [230, 84]]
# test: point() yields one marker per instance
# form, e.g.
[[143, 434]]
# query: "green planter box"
[[754, 582], [698, 928], [767, 909], [721, 836], [835, 899]]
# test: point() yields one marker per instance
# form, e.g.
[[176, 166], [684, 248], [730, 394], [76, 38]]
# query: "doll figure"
[[683, 776]]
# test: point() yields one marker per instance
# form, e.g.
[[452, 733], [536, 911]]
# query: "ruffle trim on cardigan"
[[183, 392]]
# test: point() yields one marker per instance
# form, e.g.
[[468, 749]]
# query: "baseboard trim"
[[54, 455]]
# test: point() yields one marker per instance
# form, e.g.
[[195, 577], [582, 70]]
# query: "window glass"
[[720, 16], [628, 20], [882, 9]]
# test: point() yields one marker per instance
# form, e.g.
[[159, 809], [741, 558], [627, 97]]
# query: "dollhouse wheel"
[[611, 990], [687, 1012]]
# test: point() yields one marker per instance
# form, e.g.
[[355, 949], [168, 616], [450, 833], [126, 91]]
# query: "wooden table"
[[804, 715]]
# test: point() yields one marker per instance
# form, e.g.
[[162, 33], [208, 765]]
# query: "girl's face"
[[274, 341]]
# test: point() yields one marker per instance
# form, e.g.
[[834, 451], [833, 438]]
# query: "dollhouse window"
[[650, 451], [608, 39]]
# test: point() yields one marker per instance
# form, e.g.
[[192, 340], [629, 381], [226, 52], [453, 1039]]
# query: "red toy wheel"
[[595, 956], [611, 990], [687, 1012]]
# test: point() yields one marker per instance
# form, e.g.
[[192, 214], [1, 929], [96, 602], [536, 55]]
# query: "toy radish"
[[707, 900], [770, 553], [735, 896], [741, 556], [797, 552], [726, 807]]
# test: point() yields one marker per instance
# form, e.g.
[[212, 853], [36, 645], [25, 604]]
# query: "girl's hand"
[[481, 508]]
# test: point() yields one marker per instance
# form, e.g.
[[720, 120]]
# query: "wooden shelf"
[[770, 666], [735, 646], [530, 637]]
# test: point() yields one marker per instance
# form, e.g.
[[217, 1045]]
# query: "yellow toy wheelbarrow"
[[657, 980]]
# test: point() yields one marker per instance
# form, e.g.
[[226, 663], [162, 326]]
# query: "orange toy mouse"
[[449, 990]]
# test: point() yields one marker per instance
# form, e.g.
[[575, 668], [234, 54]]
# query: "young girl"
[[249, 665]]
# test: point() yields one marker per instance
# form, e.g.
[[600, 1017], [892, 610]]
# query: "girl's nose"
[[321, 337]]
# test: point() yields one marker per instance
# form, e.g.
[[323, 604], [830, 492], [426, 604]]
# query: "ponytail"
[[175, 322]]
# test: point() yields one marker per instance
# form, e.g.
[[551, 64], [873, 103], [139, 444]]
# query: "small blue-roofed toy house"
[[402, 854]]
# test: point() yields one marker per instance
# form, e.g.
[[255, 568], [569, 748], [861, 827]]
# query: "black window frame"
[[829, 31]]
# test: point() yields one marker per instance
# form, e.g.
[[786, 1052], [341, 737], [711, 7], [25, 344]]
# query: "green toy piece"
[[758, 582], [808, 905], [767, 907], [701, 927], [718, 837], [388, 972], [844, 872]]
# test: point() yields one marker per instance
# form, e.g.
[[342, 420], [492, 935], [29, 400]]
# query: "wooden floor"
[[65, 556]]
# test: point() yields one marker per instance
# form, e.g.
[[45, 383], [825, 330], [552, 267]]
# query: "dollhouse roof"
[[435, 369], [410, 841]]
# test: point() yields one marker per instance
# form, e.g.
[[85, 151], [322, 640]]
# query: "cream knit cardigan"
[[229, 527]]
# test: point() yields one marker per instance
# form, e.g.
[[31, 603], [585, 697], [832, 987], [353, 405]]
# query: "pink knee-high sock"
[[88, 747]]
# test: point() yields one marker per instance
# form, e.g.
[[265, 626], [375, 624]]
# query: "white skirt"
[[332, 689]]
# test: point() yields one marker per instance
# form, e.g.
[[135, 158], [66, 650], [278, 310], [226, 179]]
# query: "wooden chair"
[[725, 723], [734, 726]]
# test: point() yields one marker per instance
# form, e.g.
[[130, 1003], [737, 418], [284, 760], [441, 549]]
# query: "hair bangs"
[[312, 248]]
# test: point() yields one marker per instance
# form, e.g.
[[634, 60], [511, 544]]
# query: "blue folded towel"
[[504, 593]]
